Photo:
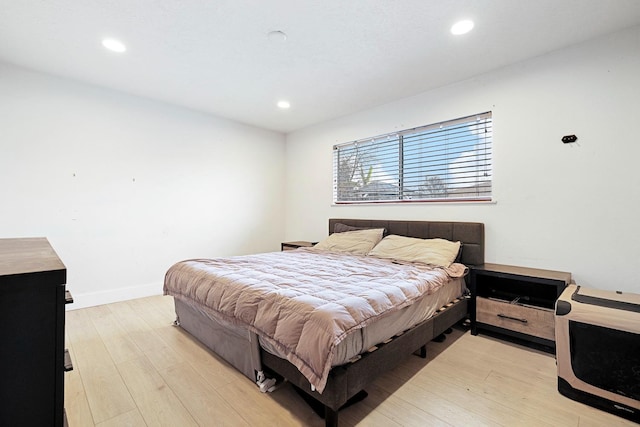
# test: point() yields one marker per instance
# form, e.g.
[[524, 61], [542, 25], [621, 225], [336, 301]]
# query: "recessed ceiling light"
[[284, 104], [462, 27], [114, 45]]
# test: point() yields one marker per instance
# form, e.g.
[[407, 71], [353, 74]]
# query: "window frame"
[[473, 182]]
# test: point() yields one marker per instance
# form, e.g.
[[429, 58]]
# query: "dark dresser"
[[32, 353]]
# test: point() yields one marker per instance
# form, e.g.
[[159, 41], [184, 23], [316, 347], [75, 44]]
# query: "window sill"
[[407, 203]]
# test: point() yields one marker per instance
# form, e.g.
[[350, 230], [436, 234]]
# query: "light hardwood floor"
[[133, 368]]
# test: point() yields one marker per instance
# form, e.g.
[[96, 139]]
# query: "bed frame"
[[346, 382]]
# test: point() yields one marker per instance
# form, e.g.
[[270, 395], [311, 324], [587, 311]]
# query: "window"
[[448, 161]]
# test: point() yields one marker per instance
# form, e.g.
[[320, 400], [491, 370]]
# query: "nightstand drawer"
[[538, 322]]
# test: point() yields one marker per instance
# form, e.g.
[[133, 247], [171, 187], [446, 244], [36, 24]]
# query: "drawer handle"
[[504, 316], [68, 366]]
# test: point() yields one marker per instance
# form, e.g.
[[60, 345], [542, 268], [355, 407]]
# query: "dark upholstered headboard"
[[471, 234]]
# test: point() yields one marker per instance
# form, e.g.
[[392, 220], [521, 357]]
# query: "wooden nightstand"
[[288, 246], [516, 301]]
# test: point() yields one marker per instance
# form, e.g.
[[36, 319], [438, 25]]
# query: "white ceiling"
[[340, 57]]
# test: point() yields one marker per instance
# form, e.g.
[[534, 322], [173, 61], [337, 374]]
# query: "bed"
[[228, 318]]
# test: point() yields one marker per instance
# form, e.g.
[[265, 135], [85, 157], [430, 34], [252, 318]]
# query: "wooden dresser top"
[[28, 255]]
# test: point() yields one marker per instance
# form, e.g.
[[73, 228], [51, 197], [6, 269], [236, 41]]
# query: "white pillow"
[[436, 252], [358, 242]]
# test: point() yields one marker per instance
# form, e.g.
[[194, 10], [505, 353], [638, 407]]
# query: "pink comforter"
[[303, 302]]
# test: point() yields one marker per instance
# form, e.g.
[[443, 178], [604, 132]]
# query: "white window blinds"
[[439, 162]]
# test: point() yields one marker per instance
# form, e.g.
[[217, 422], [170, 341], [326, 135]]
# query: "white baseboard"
[[114, 295]]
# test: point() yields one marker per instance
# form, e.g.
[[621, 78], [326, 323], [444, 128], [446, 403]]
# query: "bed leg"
[[330, 417], [423, 351], [440, 338]]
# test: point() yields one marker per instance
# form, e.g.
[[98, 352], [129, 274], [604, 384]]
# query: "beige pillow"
[[354, 242], [437, 252]]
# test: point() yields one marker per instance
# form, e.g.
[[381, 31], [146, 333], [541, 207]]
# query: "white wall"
[[561, 207], [123, 187]]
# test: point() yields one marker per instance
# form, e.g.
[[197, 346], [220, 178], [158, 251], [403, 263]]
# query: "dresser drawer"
[[538, 322]]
